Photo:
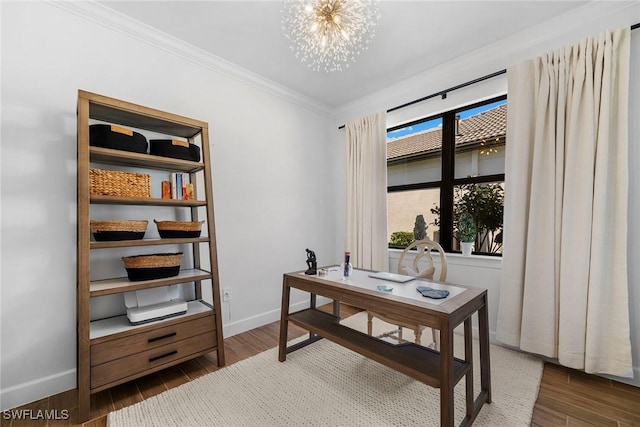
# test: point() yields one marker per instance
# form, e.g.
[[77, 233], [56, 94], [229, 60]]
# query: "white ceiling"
[[412, 36]]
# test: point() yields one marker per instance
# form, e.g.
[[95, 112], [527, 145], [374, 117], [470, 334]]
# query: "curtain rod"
[[443, 93]]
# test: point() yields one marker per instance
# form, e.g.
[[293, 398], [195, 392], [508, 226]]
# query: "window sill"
[[483, 261]]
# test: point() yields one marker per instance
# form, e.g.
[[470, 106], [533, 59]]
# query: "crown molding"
[[114, 20], [495, 56]]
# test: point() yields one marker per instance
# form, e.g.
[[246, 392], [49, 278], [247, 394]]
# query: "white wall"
[[272, 194], [560, 31], [278, 166]]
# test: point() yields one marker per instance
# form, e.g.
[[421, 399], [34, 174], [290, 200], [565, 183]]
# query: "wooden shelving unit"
[[112, 351]]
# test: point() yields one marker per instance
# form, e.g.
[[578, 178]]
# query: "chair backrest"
[[425, 248]]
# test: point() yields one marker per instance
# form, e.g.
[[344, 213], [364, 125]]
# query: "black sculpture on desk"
[[311, 262]]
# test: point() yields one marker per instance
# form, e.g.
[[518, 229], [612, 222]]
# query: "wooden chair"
[[425, 250]]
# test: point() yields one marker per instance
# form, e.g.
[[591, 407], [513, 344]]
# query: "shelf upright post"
[[197, 264], [208, 184], [82, 269]]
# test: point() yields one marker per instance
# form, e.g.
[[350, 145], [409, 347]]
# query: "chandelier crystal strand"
[[329, 34]]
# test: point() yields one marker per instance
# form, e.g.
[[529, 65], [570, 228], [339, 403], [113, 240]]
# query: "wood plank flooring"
[[567, 397], [572, 398]]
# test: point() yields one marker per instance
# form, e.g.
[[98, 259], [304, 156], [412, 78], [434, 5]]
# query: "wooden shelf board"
[[123, 284], [146, 242], [149, 119], [119, 324], [416, 361], [148, 161], [144, 201]]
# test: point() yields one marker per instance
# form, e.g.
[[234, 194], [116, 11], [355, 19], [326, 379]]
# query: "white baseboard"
[[31, 391], [21, 394], [635, 381], [233, 328]]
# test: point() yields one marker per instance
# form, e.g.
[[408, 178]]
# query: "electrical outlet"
[[226, 294]]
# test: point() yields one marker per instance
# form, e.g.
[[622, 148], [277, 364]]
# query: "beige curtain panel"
[[366, 228], [564, 291]]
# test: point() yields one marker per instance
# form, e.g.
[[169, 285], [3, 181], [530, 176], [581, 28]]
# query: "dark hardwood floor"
[[566, 398]]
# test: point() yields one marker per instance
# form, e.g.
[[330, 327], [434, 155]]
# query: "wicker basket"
[[118, 225], [104, 182], [118, 230], [153, 266], [178, 229], [153, 260]]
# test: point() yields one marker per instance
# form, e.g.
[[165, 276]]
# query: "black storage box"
[[110, 236], [117, 138], [174, 148], [152, 273]]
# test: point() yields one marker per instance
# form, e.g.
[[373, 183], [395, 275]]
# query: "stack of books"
[[178, 187]]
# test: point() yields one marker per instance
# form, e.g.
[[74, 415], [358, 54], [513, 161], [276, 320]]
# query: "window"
[[444, 165]]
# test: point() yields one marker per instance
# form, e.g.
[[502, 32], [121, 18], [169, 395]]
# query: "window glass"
[[403, 209], [484, 202], [414, 153], [480, 138], [491, 162], [444, 165]]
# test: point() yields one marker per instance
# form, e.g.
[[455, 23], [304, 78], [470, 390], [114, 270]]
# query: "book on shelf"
[[185, 183], [173, 185], [181, 187], [166, 189], [190, 192]]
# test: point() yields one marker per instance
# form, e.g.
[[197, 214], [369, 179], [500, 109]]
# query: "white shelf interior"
[[114, 325]]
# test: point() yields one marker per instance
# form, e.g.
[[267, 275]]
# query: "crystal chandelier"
[[329, 34]]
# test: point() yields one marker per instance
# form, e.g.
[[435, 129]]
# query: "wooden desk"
[[437, 369]]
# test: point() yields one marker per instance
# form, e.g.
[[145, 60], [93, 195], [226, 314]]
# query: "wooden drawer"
[[106, 351], [140, 362]]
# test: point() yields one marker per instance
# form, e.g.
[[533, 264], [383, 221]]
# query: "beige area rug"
[[327, 385]]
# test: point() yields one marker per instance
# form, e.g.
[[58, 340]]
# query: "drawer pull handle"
[[172, 334], [171, 353]]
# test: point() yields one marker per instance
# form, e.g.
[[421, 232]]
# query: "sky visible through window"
[[399, 133]]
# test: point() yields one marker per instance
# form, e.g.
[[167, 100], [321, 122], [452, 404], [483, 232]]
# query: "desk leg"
[[485, 365], [312, 304], [284, 321], [336, 309], [468, 357], [446, 376]]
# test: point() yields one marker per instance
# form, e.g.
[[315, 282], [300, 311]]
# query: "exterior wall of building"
[[402, 207]]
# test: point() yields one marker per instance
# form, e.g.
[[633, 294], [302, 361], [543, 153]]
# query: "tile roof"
[[490, 124]]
